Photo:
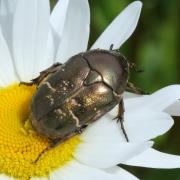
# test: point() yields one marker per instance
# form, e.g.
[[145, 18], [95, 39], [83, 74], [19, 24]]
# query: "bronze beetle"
[[72, 95]]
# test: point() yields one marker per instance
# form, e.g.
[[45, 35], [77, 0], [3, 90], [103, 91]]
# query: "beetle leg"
[[132, 88], [120, 118], [50, 146], [43, 74], [54, 143], [26, 83]]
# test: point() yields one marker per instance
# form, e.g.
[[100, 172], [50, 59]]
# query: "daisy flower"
[[30, 41]]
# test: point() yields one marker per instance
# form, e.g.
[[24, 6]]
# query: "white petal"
[[127, 95], [158, 101], [121, 28], [105, 154], [5, 177], [57, 21], [123, 174], [155, 159], [164, 97], [132, 104], [7, 74], [7, 9], [103, 129], [40, 178], [174, 109], [77, 171], [144, 124], [30, 31], [107, 149], [76, 30], [58, 16]]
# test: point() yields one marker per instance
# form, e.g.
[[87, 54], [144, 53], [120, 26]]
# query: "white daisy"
[[30, 41]]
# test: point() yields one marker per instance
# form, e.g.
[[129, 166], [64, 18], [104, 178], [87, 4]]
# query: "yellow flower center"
[[19, 145]]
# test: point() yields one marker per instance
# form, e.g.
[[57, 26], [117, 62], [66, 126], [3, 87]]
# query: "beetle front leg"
[[120, 118], [55, 142], [26, 83], [52, 144], [43, 74]]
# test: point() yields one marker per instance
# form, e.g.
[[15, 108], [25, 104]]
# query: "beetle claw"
[[121, 121], [120, 118]]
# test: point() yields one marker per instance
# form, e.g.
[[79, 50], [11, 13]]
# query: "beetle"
[[70, 96]]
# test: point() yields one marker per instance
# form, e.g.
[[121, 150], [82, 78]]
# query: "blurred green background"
[[155, 47]]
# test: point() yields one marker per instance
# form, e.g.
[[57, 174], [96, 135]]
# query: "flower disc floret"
[[20, 144]]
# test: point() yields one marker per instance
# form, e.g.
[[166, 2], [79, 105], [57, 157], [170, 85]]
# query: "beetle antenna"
[[111, 47]]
